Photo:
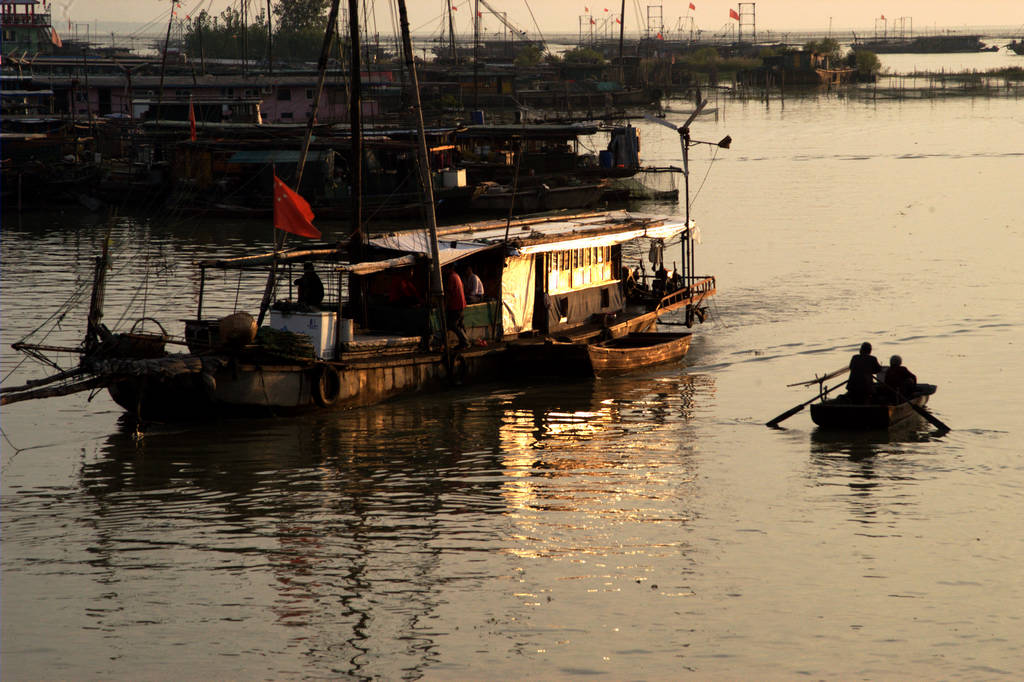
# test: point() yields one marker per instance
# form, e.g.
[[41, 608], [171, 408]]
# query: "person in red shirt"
[[455, 304], [403, 291]]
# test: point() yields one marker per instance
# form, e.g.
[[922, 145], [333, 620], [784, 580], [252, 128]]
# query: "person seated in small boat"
[[900, 379], [311, 289], [863, 367]]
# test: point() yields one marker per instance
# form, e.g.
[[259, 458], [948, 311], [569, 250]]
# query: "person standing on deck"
[[455, 304], [474, 286], [863, 368]]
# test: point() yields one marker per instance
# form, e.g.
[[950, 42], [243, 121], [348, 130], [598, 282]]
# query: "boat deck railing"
[[696, 292]]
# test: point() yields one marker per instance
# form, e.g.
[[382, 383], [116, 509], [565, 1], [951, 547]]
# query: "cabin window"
[[284, 94], [286, 115], [578, 268], [606, 299], [309, 93]]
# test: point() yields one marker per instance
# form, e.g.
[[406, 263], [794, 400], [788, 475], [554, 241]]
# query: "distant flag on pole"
[[592, 21], [291, 212], [693, 6], [883, 17], [618, 21], [734, 15], [659, 37]]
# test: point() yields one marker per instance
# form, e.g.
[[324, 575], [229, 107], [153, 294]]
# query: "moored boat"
[[543, 278], [637, 350], [842, 413]]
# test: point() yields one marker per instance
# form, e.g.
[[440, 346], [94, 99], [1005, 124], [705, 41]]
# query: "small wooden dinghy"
[[840, 413], [637, 350]]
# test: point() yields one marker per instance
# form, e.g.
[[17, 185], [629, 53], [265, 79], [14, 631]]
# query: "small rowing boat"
[[841, 413], [636, 351]]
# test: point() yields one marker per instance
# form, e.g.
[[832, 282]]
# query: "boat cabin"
[[548, 276]]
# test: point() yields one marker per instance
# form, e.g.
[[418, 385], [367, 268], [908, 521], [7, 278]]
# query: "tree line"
[[298, 32]]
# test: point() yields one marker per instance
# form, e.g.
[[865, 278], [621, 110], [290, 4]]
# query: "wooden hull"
[[628, 353], [637, 351], [238, 388], [839, 414]]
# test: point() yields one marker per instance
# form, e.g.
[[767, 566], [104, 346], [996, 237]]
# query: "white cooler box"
[[320, 327]]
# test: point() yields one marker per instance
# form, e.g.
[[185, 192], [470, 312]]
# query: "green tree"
[[299, 15], [826, 46], [531, 55], [866, 62], [583, 55]]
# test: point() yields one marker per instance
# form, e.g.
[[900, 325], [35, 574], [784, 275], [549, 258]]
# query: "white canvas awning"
[[418, 241]]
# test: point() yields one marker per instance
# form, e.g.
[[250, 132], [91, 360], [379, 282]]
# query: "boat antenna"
[[436, 283]]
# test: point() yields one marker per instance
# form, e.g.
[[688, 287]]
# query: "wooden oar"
[[774, 423], [816, 380], [932, 419]]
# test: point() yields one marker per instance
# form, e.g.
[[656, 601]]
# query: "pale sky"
[[561, 16]]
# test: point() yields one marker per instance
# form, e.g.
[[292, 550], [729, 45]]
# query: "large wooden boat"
[[554, 277], [841, 413]]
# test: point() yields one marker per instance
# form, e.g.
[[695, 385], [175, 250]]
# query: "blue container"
[[476, 117], [606, 158]]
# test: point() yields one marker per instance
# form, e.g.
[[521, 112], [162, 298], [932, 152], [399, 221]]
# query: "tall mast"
[[270, 42], [356, 128], [436, 285], [245, 36], [451, 32], [279, 239], [476, 52], [163, 64], [622, 28]]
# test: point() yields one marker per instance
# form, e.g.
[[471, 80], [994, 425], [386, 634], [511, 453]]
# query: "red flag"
[[883, 17], [454, 8], [592, 21], [291, 212], [586, 9], [605, 9], [191, 121], [734, 15], [659, 37], [693, 6], [618, 21]]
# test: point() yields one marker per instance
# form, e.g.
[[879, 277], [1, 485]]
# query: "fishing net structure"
[[652, 185]]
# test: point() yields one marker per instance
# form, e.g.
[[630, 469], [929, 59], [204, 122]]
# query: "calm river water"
[[646, 527]]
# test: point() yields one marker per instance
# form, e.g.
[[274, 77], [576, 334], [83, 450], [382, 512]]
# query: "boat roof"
[[523, 237], [541, 235]]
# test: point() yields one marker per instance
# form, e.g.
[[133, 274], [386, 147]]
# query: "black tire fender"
[[326, 385]]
